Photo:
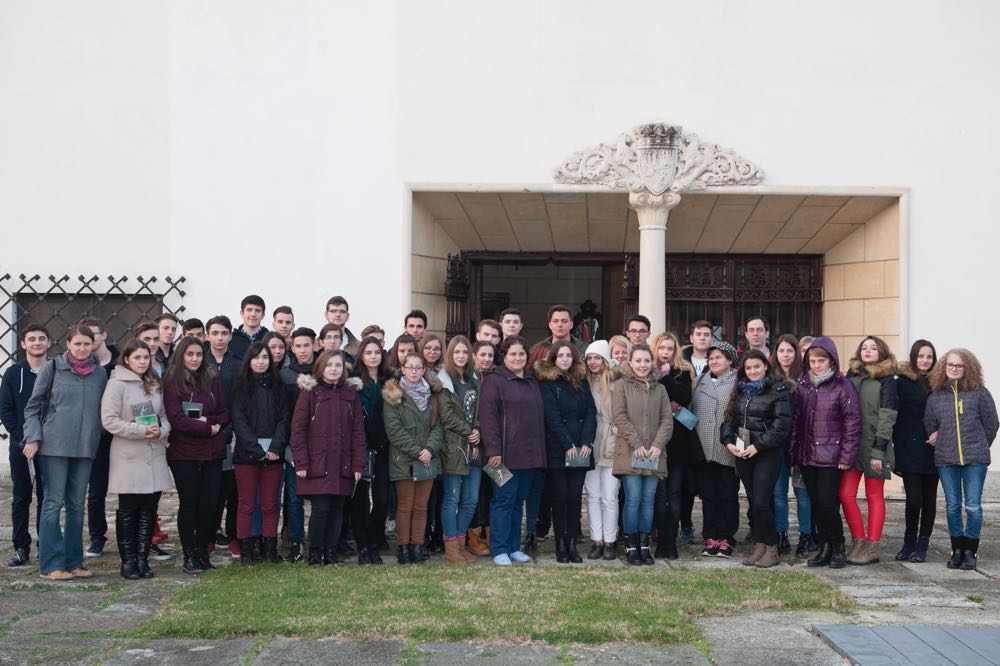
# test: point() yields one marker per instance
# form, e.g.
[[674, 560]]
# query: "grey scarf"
[[420, 393], [819, 379]]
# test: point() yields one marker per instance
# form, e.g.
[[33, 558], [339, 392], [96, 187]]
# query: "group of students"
[[230, 417]]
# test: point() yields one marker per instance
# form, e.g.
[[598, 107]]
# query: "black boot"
[[246, 552], [144, 539], [957, 546], [644, 554], [666, 548], [125, 529], [257, 550], [969, 559], [330, 556], [295, 553], [315, 557], [562, 556], [920, 552], [363, 555], [271, 550], [419, 554], [373, 556], [571, 552], [596, 551], [632, 550], [204, 560], [403, 554], [822, 558], [909, 545], [805, 546], [783, 545], [191, 563], [610, 551], [839, 558], [529, 543]]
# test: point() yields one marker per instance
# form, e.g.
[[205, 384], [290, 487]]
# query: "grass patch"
[[976, 598], [434, 602]]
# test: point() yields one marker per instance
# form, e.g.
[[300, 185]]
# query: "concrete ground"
[[86, 621]]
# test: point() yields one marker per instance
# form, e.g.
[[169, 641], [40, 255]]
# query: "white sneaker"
[[520, 557], [501, 560]]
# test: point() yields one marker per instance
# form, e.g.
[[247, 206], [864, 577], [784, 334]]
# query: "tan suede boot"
[[464, 552], [770, 557], [476, 544], [857, 552], [871, 553], [451, 554], [758, 552]]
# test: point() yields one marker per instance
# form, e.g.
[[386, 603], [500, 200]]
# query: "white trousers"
[[602, 504]]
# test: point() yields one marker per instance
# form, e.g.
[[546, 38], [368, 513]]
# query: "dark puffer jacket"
[[965, 422], [570, 414], [913, 454], [328, 438], [261, 418], [684, 447], [826, 424], [876, 386], [768, 417]]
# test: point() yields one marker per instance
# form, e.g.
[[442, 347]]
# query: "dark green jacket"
[[409, 429], [454, 454], [876, 385]]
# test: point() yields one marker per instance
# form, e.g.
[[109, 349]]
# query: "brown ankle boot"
[[769, 558], [858, 551], [758, 552], [464, 552], [476, 545], [451, 554]]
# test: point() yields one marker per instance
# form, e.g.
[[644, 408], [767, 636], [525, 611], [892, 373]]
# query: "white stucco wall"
[[268, 147]]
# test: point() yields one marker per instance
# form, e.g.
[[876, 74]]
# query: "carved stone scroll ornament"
[[658, 157]]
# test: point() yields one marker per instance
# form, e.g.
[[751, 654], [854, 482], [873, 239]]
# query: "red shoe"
[[234, 549], [158, 534]]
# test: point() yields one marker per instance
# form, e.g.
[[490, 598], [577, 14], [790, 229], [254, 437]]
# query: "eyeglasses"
[[954, 366], [337, 310], [636, 331], [413, 368]]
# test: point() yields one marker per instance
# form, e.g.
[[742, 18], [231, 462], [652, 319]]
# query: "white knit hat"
[[599, 347]]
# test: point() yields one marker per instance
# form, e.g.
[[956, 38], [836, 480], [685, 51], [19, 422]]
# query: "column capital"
[[653, 209]]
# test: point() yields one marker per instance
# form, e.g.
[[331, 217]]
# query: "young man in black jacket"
[[252, 312], [218, 352], [15, 390]]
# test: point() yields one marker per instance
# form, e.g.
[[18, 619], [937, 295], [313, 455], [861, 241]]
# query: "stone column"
[[653, 210]]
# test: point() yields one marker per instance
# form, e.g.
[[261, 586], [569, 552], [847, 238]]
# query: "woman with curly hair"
[[961, 418]]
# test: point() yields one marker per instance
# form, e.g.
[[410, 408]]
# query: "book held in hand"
[[265, 443], [686, 418], [577, 460], [644, 463], [499, 474], [144, 414], [421, 473], [192, 409]]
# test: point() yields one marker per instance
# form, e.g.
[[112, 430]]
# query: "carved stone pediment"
[[655, 158]]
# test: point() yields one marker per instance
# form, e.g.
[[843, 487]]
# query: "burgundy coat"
[[192, 439], [328, 438], [826, 424], [512, 419]]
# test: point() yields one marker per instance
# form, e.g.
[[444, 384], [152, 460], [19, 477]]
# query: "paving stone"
[[184, 653], [306, 652], [775, 638]]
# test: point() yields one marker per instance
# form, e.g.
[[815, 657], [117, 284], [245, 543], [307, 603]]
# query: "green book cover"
[[421, 473], [577, 460]]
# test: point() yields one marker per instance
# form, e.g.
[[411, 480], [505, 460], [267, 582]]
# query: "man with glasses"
[[637, 330], [338, 312]]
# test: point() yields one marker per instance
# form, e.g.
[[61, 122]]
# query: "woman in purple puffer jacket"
[[826, 432]]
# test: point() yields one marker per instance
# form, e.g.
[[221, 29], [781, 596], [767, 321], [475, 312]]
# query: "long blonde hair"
[[677, 361], [601, 381]]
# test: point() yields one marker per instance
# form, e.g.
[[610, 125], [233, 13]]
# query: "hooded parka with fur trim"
[[876, 386], [409, 429], [644, 418]]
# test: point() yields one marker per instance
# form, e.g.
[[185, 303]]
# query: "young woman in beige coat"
[[132, 411]]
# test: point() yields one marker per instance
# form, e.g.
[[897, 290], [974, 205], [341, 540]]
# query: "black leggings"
[[228, 502], [759, 475], [325, 517], [138, 502], [921, 502], [368, 517], [198, 491], [823, 484], [566, 499]]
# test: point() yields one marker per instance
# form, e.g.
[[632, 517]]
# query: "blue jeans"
[[65, 481], [640, 495], [803, 507], [461, 492], [534, 498], [295, 517], [957, 480], [506, 511]]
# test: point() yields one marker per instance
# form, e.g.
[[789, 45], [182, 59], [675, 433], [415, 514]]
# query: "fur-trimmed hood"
[[884, 368], [548, 372], [392, 391], [308, 382], [904, 369]]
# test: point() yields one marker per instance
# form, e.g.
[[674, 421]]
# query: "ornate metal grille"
[[59, 302]]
